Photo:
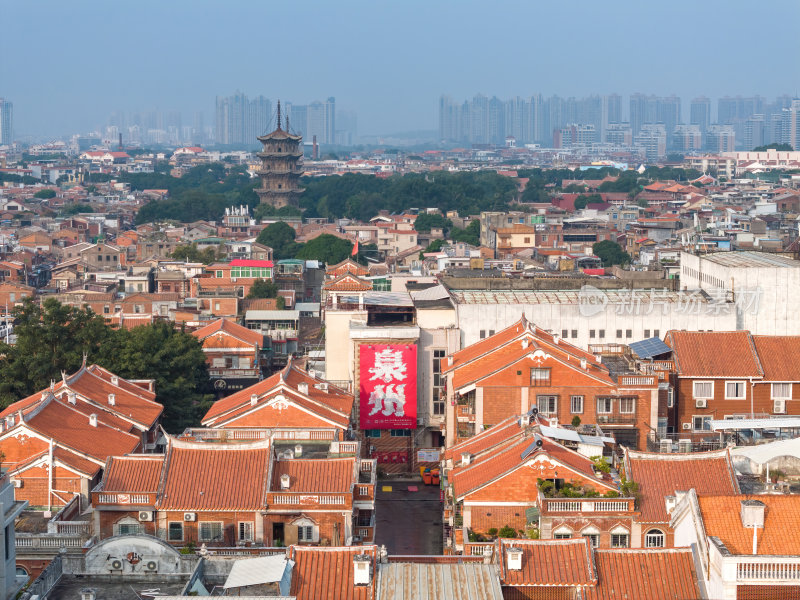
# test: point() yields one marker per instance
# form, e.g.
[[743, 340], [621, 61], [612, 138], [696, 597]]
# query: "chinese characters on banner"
[[388, 386]]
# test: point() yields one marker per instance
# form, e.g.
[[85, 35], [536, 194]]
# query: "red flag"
[[355, 249]]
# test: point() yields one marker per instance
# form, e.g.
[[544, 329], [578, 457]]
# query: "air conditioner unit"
[[687, 425], [665, 445], [189, 516], [151, 566], [17, 483], [145, 515], [701, 403], [778, 407], [114, 564]]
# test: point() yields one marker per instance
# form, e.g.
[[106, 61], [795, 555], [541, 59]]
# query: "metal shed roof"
[[439, 581]]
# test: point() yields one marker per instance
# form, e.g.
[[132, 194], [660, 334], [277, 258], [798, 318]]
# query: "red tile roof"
[[486, 439], [203, 476], [330, 569], [651, 574], [714, 354], [348, 283], [233, 329], [722, 519], [548, 563], [71, 428], [135, 473], [486, 345], [315, 475], [779, 356], [661, 475]]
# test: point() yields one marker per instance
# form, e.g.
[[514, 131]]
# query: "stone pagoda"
[[280, 166]]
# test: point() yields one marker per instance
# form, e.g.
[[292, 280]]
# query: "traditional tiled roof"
[[549, 563], [653, 574], [133, 473], [510, 457], [70, 427], [486, 439], [661, 475], [225, 326], [348, 283], [348, 265], [203, 476], [714, 354], [486, 345], [722, 519], [330, 569], [779, 356], [314, 475], [333, 404]]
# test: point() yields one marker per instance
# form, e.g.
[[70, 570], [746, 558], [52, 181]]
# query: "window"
[[604, 406], [527, 240], [701, 422], [561, 536], [372, 433], [602, 334], [782, 391], [564, 333], [175, 531], [703, 389], [628, 333], [219, 273], [619, 334], [491, 332], [594, 539], [591, 333], [735, 390], [627, 406], [438, 382], [576, 405], [646, 333], [129, 528], [305, 533], [211, 531], [670, 397], [656, 333], [401, 433], [246, 531], [574, 333], [547, 405], [654, 539], [540, 377], [483, 333], [619, 540]]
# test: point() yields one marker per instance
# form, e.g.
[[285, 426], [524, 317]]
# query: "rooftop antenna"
[[279, 115]]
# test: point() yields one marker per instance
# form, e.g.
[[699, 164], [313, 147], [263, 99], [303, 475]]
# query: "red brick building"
[[524, 366], [234, 354], [720, 375], [229, 494], [55, 443]]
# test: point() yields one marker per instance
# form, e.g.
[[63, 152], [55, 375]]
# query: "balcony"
[[586, 505], [465, 413], [277, 335], [230, 373], [638, 380], [616, 419], [768, 569], [37, 534], [300, 500], [100, 499]]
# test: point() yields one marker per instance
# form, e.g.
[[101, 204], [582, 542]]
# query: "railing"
[[616, 419], [779, 571], [72, 527], [44, 541], [348, 447], [365, 491], [638, 380], [477, 549], [308, 499], [280, 334], [465, 412], [657, 365], [124, 499], [584, 505], [233, 372], [325, 434]]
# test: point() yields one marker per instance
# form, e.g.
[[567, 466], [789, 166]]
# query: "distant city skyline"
[[387, 62]]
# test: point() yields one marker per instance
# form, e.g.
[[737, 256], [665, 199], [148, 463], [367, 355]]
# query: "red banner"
[[388, 386]]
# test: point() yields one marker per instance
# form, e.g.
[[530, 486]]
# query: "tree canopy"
[[280, 237], [45, 194], [774, 146], [425, 222], [190, 253], [326, 248], [53, 338], [471, 235], [263, 289], [611, 253]]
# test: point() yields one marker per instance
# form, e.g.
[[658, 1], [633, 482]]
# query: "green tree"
[[263, 289], [191, 253], [51, 338], [326, 248], [425, 222], [774, 146], [74, 209], [174, 359], [45, 194], [280, 237], [434, 246], [471, 235], [611, 253]]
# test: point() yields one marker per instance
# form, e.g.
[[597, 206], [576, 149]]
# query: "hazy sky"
[[67, 65]]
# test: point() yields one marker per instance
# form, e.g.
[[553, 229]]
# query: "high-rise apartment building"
[[700, 113], [721, 138], [315, 119], [6, 122], [239, 120]]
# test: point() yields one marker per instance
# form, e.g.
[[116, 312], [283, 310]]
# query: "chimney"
[[525, 420], [487, 555], [303, 388], [514, 557], [361, 570], [72, 397], [112, 399], [298, 451], [285, 480], [583, 364], [753, 516], [253, 399], [114, 380], [465, 459], [383, 555], [93, 420]]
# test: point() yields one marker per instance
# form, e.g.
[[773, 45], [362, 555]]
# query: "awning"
[[257, 571]]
